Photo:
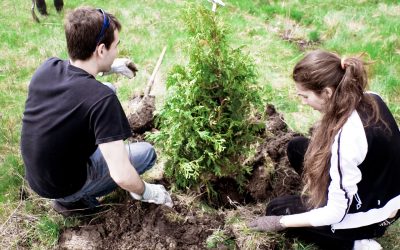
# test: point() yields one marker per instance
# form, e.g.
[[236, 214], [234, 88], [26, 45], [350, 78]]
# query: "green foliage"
[[10, 178], [314, 36], [48, 230], [205, 127], [271, 9]]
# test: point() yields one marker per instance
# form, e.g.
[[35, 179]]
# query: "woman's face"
[[312, 99]]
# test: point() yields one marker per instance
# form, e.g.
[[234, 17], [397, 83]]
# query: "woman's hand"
[[267, 224]]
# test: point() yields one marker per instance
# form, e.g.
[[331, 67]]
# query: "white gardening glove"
[[123, 66], [154, 193]]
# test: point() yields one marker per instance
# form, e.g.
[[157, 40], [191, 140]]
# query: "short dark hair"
[[82, 28]]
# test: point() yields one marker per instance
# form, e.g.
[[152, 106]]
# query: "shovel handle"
[[153, 75]]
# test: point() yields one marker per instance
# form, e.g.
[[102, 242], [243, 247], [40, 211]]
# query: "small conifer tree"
[[205, 130]]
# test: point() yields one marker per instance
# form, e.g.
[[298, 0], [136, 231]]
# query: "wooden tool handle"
[[153, 75]]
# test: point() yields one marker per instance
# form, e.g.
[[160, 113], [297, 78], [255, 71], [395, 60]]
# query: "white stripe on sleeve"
[[348, 151]]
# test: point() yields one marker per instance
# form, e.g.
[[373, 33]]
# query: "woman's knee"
[[298, 144], [285, 205]]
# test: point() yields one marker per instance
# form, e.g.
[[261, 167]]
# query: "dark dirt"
[[137, 225], [285, 180], [228, 194], [141, 117]]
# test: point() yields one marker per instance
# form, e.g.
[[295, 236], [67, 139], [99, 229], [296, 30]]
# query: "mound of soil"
[[137, 225], [272, 175], [285, 180]]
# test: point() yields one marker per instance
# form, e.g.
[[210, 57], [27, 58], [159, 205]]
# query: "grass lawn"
[[275, 33]]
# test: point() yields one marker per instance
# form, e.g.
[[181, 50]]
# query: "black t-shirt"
[[67, 114]]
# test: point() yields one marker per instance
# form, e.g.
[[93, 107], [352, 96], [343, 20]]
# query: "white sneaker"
[[367, 244]]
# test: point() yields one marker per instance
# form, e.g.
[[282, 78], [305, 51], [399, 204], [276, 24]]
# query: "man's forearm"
[[128, 179], [121, 170]]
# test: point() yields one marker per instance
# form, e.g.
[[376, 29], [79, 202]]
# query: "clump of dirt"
[[139, 225], [260, 182], [285, 179], [272, 175], [141, 113]]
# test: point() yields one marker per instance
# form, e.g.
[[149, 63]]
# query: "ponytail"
[[348, 93]]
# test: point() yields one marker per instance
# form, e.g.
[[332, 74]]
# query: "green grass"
[[347, 27]]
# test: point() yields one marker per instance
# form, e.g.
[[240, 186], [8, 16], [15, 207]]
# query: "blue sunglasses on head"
[[106, 24]]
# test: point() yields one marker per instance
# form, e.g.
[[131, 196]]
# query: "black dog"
[[41, 6]]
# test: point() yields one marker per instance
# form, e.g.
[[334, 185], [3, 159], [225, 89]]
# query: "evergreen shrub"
[[206, 125]]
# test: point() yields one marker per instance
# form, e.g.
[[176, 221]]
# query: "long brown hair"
[[347, 78]]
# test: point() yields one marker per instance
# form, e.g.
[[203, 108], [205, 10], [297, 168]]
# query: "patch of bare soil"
[[136, 225]]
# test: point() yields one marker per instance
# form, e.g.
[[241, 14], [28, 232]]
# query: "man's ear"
[[327, 92], [100, 49]]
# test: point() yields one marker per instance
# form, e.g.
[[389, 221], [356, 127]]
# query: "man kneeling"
[[74, 126]]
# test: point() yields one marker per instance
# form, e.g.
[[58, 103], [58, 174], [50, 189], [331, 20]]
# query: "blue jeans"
[[99, 182]]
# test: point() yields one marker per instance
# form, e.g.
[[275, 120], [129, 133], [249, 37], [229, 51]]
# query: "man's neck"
[[89, 65]]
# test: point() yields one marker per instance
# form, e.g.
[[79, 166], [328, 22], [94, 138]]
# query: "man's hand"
[[154, 193], [267, 224], [123, 66]]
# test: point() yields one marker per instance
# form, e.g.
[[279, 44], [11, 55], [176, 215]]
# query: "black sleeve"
[[108, 121]]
